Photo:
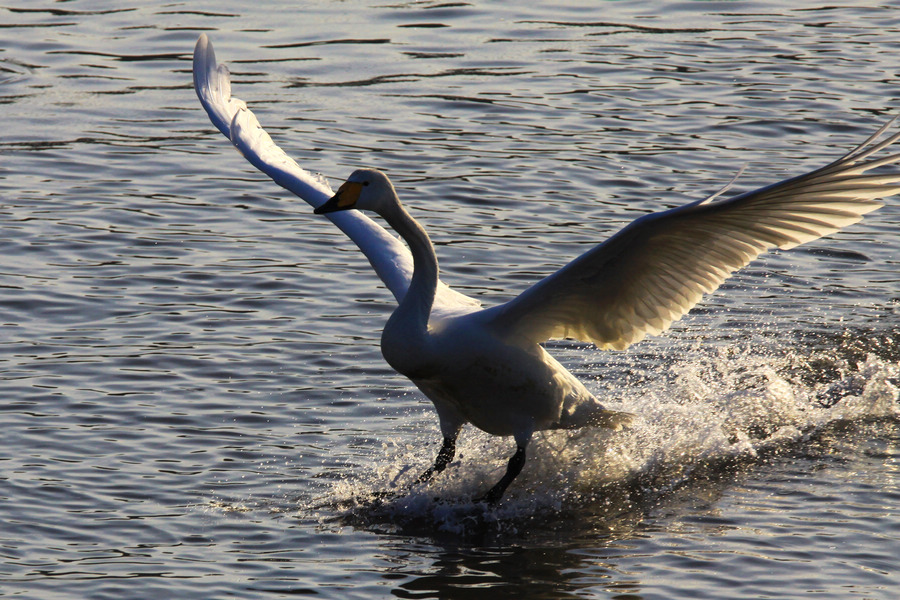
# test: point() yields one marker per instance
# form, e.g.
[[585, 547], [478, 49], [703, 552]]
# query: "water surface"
[[194, 402]]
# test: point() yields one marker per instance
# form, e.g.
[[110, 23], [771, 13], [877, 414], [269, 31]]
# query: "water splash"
[[710, 417]]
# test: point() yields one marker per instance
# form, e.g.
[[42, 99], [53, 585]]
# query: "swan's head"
[[365, 189]]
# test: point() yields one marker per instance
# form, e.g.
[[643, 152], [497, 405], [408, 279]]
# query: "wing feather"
[[390, 259], [657, 268]]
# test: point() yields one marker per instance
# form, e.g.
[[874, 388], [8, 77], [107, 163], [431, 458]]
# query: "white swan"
[[486, 366]]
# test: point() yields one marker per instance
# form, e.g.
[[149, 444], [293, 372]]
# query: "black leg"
[[512, 469], [445, 455]]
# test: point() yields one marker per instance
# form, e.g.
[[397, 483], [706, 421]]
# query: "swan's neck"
[[416, 304]]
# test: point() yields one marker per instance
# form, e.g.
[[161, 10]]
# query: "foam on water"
[[715, 414]]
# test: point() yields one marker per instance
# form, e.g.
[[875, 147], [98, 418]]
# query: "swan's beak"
[[344, 199]]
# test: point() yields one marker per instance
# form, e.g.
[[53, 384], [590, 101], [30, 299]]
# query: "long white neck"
[[416, 304]]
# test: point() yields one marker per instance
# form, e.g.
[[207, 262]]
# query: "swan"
[[486, 366]]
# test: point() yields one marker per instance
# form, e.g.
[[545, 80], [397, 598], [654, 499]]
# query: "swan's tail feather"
[[612, 419]]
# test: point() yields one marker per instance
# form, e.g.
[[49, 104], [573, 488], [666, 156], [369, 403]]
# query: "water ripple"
[[195, 404]]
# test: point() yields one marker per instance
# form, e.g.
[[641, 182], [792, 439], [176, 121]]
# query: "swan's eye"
[[365, 183]]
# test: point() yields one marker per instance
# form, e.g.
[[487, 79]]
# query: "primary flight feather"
[[486, 366]]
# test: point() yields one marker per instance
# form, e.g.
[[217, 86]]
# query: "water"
[[194, 403]]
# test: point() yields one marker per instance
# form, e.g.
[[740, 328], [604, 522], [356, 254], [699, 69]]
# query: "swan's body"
[[486, 366], [473, 371]]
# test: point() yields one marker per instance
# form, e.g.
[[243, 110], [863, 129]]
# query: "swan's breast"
[[406, 349]]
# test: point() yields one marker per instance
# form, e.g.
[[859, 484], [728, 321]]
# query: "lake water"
[[194, 404]]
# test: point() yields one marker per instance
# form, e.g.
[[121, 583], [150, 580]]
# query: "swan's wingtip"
[[202, 43], [203, 57]]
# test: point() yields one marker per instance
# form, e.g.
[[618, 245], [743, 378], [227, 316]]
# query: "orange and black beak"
[[345, 198]]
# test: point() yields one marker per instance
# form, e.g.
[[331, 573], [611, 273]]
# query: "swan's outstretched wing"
[[654, 270], [388, 256]]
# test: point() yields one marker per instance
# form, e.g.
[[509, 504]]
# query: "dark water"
[[193, 400]]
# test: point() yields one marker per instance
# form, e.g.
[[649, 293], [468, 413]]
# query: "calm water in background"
[[193, 400]]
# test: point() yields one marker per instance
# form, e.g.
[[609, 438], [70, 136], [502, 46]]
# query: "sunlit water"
[[194, 403]]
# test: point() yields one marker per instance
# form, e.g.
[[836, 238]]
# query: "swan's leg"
[[451, 425], [445, 455], [513, 468]]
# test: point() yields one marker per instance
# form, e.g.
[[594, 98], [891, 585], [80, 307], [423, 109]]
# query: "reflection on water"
[[546, 573], [194, 402]]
